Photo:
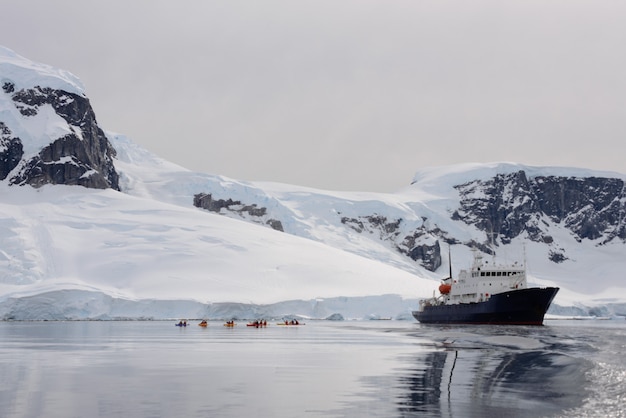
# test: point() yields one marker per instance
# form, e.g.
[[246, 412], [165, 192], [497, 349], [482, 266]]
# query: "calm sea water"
[[321, 369]]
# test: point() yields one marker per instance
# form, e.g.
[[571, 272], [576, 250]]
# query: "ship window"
[[482, 273], [499, 274]]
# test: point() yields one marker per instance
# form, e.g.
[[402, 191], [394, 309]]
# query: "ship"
[[487, 294]]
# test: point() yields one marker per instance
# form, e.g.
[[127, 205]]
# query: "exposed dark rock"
[[11, 151], [275, 224], [429, 255], [511, 204], [411, 245], [480, 246], [82, 157], [257, 214], [382, 223], [206, 201], [8, 87], [372, 223], [557, 257], [355, 224]]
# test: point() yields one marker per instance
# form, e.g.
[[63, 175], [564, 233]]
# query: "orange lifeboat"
[[444, 289]]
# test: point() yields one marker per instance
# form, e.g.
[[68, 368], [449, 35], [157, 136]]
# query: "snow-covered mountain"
[[145, 238], [48, 130]]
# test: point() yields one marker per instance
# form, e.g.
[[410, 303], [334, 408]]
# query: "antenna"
[[492, 241]]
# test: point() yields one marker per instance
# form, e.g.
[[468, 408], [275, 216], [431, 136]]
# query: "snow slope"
[[26, 74], [63, 237], [68, 252], [591, 276]]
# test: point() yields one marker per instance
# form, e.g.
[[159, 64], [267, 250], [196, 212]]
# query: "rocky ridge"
[[502, 207], [51, 136], [251, 212], [510, 205]]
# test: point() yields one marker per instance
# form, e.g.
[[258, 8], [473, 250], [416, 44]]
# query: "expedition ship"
[[487, 294]]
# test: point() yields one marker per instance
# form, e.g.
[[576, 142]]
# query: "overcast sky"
[[344, 95]]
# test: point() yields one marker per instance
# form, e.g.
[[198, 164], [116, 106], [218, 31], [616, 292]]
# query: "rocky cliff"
[[512, 205], [252, 213], [48, 130], [82, 156]]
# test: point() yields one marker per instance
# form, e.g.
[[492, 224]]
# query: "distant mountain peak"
[[48, 130]]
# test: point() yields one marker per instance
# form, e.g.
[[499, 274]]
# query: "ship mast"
[[449, 278], [449, 262]]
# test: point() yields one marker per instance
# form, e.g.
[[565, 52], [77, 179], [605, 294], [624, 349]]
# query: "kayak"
[[229, 325], [290, 325], [180, 325], [203, 325], [256, 325]]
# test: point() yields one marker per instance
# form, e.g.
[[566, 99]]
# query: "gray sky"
[[344, 95]]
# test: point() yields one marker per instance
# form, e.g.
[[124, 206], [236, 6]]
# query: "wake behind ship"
[[487, 294]]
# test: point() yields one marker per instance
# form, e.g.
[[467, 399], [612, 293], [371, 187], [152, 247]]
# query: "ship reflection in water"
[[483, 375]]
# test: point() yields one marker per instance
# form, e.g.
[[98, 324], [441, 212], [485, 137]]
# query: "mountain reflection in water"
[[494, 372], [480, 383]]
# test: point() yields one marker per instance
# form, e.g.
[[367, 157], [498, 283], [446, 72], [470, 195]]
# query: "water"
[[322, 369]]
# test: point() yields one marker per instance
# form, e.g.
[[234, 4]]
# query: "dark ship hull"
[[517, 307]]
